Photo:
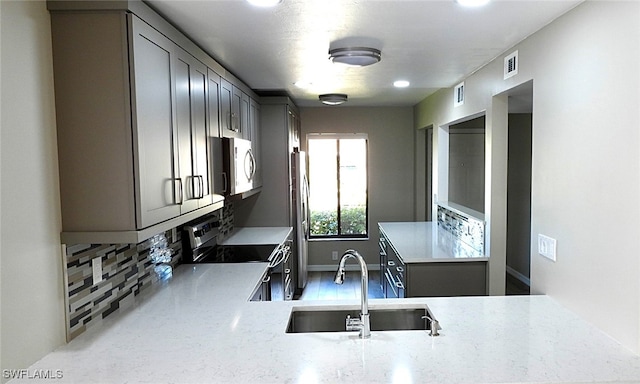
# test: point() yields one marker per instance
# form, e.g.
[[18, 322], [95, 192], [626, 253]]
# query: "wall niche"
[[467, 163]]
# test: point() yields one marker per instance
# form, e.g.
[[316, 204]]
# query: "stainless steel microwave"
[[239, 165]]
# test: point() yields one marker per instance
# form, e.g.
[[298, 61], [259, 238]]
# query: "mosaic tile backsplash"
[[127, 270]]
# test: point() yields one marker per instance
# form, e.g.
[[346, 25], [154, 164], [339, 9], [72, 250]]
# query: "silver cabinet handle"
[[399, 284], [234, 118], [180, 193], [391, 263], [225, 183], [200, 187], [400, 269]]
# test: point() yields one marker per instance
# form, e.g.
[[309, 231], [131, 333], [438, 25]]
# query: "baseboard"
[[524, 279], [334, 267]]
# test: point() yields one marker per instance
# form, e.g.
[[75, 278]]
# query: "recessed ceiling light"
[[303, 84], [333, 98], [356, 56], [264, 3], [472, 3], [401, 83]]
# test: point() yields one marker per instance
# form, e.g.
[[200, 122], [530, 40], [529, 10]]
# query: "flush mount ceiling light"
[[357, 56], [333, 98], [264, 3], [401, 83]]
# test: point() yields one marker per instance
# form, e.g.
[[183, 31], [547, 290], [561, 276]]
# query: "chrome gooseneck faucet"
[[362, 324]]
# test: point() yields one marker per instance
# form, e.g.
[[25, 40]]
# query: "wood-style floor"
[[320, 286]]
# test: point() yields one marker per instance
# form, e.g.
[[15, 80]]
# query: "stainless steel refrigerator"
[[300, 200]]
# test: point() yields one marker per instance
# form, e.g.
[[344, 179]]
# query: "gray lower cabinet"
[[133, 127], [428, 279], [466, 278]]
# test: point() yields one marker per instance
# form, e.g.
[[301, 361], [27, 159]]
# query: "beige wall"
[[31, 269], [391, 170], [586, 159]]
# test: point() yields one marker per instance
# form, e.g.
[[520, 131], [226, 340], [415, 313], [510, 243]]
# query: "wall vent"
[[511, 65], [458, 95]]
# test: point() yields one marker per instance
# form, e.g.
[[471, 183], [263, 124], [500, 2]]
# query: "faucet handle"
[[352, 324]]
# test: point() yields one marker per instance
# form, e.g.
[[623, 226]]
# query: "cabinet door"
[[229, 110], [213, 107], [218, 184], [191, 116], [245, 112], [254, 136], [200, 135], [158, 187], [236, 112]]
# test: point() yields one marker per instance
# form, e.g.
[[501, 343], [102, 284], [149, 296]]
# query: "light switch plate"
[[96, 266], [334, 255], [547, 247]]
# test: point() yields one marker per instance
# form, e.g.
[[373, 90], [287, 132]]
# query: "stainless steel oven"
[[200, 245], [281, 283]]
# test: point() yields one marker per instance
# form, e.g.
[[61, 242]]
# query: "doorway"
[[519, 162]]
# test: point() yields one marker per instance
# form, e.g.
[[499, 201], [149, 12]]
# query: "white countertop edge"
[[199, 327], [257, 236]]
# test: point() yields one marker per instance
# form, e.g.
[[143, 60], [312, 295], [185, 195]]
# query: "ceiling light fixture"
[[356, 56], [333, 98], [401, 83], [264, 3]]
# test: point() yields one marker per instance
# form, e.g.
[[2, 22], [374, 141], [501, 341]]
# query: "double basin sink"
[[332, 319]]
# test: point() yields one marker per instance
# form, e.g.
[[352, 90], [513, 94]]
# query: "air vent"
[[458, 95], [511, 65]]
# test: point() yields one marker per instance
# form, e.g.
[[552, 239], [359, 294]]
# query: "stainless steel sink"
[[306, 320]]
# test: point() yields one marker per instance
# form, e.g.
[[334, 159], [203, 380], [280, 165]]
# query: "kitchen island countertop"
[[426, 242], [200, 328]]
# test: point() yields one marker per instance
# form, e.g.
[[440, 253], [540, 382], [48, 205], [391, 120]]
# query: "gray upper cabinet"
[[245, 105], [230, 110], [218, 179], [158, 184], [133, 123], [193, 133], [140, 112]]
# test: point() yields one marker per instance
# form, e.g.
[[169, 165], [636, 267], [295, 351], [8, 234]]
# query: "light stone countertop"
[[200, 328], [257, 235], [426, 242]]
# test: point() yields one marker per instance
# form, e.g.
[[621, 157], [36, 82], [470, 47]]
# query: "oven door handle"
[[279, 258]]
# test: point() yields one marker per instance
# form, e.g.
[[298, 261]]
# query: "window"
[[338, 185]]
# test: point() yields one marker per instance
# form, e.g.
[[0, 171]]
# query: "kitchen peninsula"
[[201, 328], [443, 258]]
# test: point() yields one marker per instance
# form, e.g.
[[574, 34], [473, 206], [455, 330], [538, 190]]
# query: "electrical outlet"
[[547, 247], [96, 266], [334, 255]]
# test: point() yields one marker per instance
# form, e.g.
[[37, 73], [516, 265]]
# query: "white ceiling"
[[432, 43]]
